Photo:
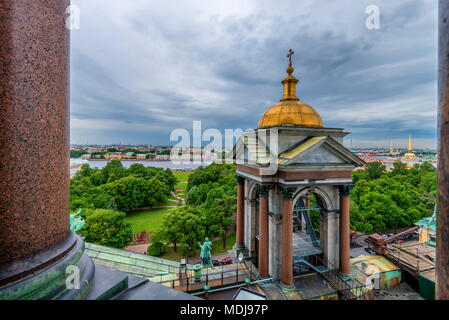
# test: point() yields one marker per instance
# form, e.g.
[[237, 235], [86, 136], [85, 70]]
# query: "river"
[[158, 164]]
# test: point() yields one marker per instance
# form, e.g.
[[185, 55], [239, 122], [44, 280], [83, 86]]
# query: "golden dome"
[[290, 111]]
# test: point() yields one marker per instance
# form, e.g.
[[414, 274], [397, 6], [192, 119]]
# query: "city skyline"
[[138, 73]]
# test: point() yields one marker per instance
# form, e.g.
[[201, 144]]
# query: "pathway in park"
[[138, 248], [142, 248]]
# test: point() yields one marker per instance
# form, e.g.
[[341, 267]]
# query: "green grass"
[[217, 246], [148, 220], [181, 186], [170, 254], [182, 176]]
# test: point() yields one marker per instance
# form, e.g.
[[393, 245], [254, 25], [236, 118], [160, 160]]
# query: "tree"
[[399, 168], [107, 227], [129, 192], [157, 247], [374, 170], [77, 153], [133, 193], [218, 211], [427, 166], [183, 225], [137, 170], [85, 171], [170, 228], [94, 188], [114, 167], [191, 229]]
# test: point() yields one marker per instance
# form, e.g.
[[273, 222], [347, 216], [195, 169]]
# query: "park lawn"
[[181, 186], [217, 246], [148, 220], [170, 254], [168, 203], [182, 176]]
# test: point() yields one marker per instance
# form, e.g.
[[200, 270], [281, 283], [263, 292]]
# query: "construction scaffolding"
[[414, 257]]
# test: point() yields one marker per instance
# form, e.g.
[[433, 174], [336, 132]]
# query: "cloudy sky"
[[142, 68]]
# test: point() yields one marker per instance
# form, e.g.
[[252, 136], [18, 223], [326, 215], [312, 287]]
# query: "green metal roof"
[[131, 262], [431, 222]]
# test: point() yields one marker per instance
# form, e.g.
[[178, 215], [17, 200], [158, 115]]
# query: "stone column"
[[263, 231], [442, 251], [287, 237], [34, 126], [35, 239], [240, 212], [344, 252]]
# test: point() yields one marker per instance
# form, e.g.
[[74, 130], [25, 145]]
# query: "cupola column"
[[344, 248], [240, 212], [263, 231], [287, 237]]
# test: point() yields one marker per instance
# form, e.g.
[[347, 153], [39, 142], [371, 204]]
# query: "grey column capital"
[[240, 179], [287, 192], [263, 190], [345, 189]]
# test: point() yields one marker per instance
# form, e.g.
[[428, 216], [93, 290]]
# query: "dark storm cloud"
[[143, 68]]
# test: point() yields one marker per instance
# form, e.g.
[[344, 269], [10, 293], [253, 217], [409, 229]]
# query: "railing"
[[221, 276], [350, 288]]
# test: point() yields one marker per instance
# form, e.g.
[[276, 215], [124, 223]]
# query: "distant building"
[[128, 155], [163, 157], [86, 156], [141, 156], [94, 149], [410, 158], [113, 156]]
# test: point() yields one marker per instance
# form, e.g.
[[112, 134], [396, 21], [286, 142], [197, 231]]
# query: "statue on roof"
[[206, 257], [76, 222]]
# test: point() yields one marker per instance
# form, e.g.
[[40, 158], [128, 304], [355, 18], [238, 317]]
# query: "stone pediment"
[[258, 150], [318, 151]]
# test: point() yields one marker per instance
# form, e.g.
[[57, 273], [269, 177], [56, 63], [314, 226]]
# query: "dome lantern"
[[290, 111]]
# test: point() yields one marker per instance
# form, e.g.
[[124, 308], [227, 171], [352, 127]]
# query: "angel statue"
[[76, 222]]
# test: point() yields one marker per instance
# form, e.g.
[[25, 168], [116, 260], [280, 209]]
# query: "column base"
[[236, 250], [50, 282], [344, 275], [287, 287]]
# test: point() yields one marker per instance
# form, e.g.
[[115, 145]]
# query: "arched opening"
[[252, 222], [308, 209]]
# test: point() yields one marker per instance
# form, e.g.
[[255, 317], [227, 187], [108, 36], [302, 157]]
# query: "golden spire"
[[391, 147], [290, 81], [410, 142], [290, 112]]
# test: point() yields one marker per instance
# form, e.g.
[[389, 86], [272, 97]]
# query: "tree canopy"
[[132, 188], [106, 227], [209, 211], [383, 200]]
